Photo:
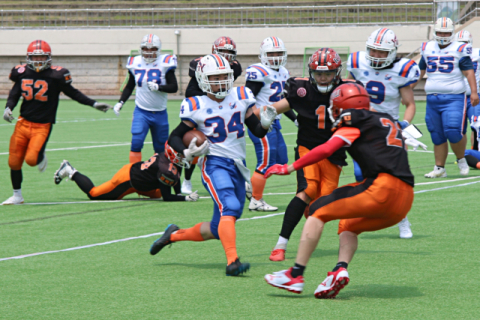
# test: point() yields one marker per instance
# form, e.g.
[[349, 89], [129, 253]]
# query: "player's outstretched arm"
[[260, 127], [127, 92], [78, 96], [12, 101]]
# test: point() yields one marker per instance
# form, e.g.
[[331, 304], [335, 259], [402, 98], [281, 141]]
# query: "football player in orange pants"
[[382, 200]]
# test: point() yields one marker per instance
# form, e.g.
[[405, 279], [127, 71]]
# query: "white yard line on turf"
[[160, 233], [85, 147], [71, 121]]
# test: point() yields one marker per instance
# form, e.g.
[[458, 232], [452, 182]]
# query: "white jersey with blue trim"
[[443, 67], [475, 56], [273, 83], [222, 122], [146, 72], [383, 84]]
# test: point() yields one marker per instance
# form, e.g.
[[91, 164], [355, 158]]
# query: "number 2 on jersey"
[[392, 138], [277, 96], [28, 86]]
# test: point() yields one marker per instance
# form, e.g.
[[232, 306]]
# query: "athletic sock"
[[135, 157], [441, 167], [83, 182], [292, 216], [189, 172], [258, 185], [17, 177], [227, 234], [190, 234], [17, 193], [340, 265], [281, 243], [298, 270]]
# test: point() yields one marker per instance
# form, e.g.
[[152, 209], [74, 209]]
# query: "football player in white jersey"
[[387, 80], [466, 37], [154, 76], [447, 62], [267, 80], [221, 115]]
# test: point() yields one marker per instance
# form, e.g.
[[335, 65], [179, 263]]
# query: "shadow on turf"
[[372, 236], [379, 291]]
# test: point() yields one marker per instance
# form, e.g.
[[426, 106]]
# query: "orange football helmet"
[[225, 47], [39, 48], [175, 157], [348, 96]]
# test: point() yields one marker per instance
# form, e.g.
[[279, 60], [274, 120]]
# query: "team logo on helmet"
[[335, 94]]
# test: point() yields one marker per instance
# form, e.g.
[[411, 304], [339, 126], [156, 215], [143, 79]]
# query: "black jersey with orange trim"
[[314, 125], [155, 173], [40, 91], [193, 89], [380, 147]]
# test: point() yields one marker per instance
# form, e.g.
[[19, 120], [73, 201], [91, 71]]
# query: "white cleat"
[[187, 186], [260, 205], [248, 191], [463, 166], [332, 285], [65, 171], [13, 200], [404, 227], [437, 173], [284, 280], [43, 164]]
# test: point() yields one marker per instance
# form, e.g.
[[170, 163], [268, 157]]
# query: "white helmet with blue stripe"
[[443, 25], [210, 66], [150, 41], [270, 45]]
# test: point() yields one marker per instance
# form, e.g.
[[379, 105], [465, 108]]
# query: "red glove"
[[278, 169]]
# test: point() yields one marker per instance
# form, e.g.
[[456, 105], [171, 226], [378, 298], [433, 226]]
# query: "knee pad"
[[453, 135], [31, 160], [436, 131], [137, 143], [15, 163], [312, 189]]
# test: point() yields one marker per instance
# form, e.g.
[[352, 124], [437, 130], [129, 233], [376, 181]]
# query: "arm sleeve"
[[466, 64], [193, 89], [127, 91], [255, 126], [76, 95], [319, 153], [176, 137], [422, 65], [254, 86], [167, 194], [13, 96], [237, 69], [171, 86], [290, 115]]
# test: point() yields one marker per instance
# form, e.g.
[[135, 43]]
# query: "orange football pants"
[[370, 205], [119, 186], [28, 141]]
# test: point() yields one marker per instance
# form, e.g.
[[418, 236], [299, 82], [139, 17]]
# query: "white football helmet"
[[464, 36], [214, 64], [443, 25], [273, 44], [382, 39], [148, 42]]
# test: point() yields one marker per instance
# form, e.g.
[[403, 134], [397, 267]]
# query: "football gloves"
[[278, 169], [296, 122], [412, 142], [267, 116], [193, 151], [117, 108], [192, 196], [7, 115], [152, 86], [100, 106]]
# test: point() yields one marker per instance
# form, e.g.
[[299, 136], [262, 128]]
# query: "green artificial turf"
[[431, 276]]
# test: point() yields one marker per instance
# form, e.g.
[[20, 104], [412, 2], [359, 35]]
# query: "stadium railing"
[[359, 14]]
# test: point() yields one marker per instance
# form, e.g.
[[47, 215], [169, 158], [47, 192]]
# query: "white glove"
[[194, 151], [267, 116], [117, 108], [296, 122], [192, 196], [100, 106], [412, 142], [152, 86], [7, 115]]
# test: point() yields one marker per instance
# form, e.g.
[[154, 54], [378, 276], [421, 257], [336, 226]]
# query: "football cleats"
[[225, 47], [39, 48], [148, 42], [325, 60], [175, 157], [464, 36], [212, 65], [273, 44], [382, 39], [348, 96], [443, 25]]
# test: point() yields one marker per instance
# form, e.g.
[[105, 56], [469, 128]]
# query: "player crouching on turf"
[[220, 116], [382, 200], [152, 178], [40, 84]]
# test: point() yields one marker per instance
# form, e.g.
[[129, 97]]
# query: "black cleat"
[[164, 240], [236, 268]]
